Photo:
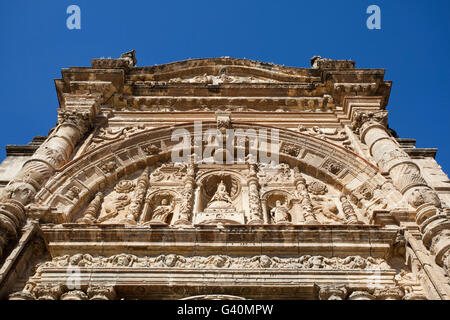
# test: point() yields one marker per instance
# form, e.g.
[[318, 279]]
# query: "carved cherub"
[[122, 260]]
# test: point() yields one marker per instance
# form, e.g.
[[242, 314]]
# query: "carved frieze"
[[221, 261], [337, 136], [105, 135]]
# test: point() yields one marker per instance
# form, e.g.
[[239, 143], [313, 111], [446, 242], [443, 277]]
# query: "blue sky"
[[413, 46]]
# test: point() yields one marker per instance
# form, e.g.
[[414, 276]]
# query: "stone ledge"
[[164, 283], [232, 240], [25, 150]]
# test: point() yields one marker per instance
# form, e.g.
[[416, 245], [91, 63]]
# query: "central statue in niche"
[[221, 199], [220, 208]]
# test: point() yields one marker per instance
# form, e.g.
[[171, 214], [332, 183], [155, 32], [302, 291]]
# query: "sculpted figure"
[[221, 193], [280, 212], [221, 198], [218, 261], [122, 260], [170, 260], [81, 260], [113, 207], [421, 196], [265, 261], [162, 211]]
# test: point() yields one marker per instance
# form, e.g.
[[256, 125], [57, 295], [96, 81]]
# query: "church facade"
[[223, 179]]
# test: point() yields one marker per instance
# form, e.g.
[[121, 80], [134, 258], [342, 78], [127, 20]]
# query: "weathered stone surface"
[[341, 209]]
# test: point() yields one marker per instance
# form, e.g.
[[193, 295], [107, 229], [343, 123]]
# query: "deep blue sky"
[[413, 46]]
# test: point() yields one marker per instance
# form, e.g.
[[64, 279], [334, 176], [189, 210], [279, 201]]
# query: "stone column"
[[264, 211], [333, 293], [197, 196], [348, 209], [101, 292], [406, 177], [74, 295], [187, 205], [75, 120], [48, 291], [304, 198], [136, 205], [256, 214], [361, 295]]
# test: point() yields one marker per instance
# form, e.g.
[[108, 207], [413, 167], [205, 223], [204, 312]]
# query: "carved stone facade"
[[342, 208]]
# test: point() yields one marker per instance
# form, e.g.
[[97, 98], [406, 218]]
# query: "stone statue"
[[221, 198], [280, 212], [130, 57], [162, 211]]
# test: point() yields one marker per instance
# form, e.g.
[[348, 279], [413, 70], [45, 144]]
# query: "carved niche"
[[220, 200], [174, 193]]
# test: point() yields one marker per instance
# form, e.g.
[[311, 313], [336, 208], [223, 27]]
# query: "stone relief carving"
[[105, 134], [292, 199], [162, 211], [348, 209], [151, 149], [305, 200], [333, 293], [421, 196], [337, 136], [372, 200], [333, 167], [274, 173], [300, 201], [73, 193], [91, 212], [220, 261], [221, 206], [362, 118], [109, 166], [115, 204], [290, 149], [256, 215], [101, 292], [410, 284], [386, 293], [173, 172], [222, 78], [327, 210], [134, 209], [58, 291], [280, 213], [317, 188], [75, 118], [187, 201]]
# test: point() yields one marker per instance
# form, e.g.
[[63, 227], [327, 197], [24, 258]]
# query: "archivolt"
[[104, 166]]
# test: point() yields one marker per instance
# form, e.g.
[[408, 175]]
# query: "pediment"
[[221, 70]]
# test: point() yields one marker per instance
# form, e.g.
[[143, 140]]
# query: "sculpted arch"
[[105, 166]]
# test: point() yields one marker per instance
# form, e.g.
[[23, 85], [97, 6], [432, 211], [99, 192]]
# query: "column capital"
[[333, 293], [101, 292], [364, 119], [79, 111]]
